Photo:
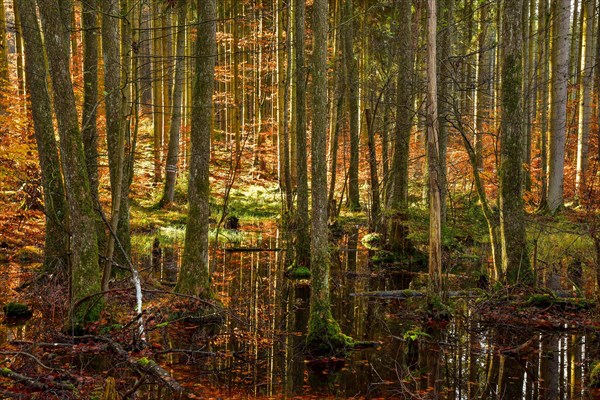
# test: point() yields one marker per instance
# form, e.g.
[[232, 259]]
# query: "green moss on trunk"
[[325, 338]]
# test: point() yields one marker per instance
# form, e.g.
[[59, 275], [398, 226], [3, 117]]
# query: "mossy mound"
[[383, 257], [544, 300], [16, 310], [296, 272], [29, 254], [325, 338], [595, 375]]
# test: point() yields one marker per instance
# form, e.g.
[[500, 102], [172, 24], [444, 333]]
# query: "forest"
[[273, 199]]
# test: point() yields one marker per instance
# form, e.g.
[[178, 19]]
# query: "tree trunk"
[[352, 87], [398, 199], [85, 271], [90, 104], [157, 87], [543, 60], [446, 11], [484, 93], [515, 258], [194, 278], [3, 49], [175, 126], [433, 153], [585, 97], [302, 235], [56, 246], [19, 50], [375, 220], [558, 103], [324, 335]]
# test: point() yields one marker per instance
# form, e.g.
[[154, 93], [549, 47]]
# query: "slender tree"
[[351, 70], [515, 259], [585, 96], [177, 96], [433, 154], [194, 278], [558, 103], [302, 236]]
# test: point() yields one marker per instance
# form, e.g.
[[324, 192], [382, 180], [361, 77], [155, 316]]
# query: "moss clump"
[[595, 375], [29, 254], [383, 257], [372, 241], [145, 362], [541, 300], [15, 310], [325, 338], [296, 272]]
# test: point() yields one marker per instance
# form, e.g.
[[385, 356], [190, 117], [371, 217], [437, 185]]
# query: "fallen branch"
[[32, 382], [143, 365], [409, 294], [250, 249]]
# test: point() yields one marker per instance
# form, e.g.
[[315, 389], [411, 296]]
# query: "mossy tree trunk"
[[515, 258], [398, 198], [56, 246], [85, 271], [177, 97], [194, 278], [324, 335], [302, 235]]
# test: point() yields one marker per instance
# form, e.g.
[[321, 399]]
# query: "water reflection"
[[463, 360]]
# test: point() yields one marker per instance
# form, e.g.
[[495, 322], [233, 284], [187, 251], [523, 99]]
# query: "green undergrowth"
[[297, 272], [14, 310], [595, 375]]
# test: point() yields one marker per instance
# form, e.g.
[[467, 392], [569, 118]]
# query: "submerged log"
[[409, 293]]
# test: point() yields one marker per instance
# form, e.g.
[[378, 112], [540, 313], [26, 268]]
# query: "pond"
[[257, 349]]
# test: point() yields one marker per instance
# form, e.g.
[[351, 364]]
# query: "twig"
[[24, 353], [32, 382]]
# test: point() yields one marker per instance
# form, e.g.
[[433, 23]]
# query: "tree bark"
[[558, 103], [194, 278], [85, 271], [56, 244], [398, 199], [175, 126], [90, 105], [324, 335], [302, 235], [515, 258], [433, 152], [585, 96], [351, 70]]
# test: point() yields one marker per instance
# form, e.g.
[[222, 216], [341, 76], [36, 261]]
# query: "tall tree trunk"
[[433, 153], [585, 97], [115, 137], [544, 78], [352, 87], [398, 199], [19, 50], [375, 202], [324, 335], [302, 236], [194, 278], [515, 258], [56, 244], [558, 103], [90, 105], [3, 48], [445, 23], [85, 271], [175, 126], [157, 87]]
